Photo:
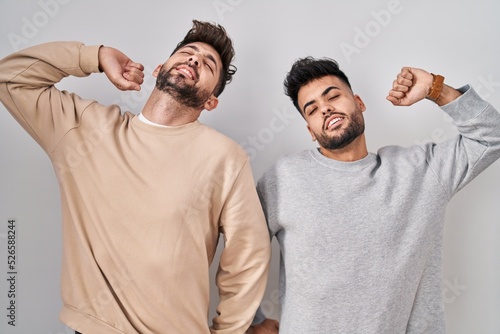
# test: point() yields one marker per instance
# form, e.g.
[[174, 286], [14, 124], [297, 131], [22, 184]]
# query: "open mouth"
[[187, 71], [333, 122]]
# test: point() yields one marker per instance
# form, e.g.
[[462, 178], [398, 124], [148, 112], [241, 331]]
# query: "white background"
[[371, 39]]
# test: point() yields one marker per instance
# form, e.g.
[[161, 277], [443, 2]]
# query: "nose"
[[193, 60], [327, 110]]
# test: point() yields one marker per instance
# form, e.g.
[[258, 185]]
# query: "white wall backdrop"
[[371, 39]]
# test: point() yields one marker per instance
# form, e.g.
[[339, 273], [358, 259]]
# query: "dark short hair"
[[214, 35], [309, 69]]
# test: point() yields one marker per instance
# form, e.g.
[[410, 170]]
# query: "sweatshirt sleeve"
[[244, 262], [458, 161], [267, 190], [27, 88]]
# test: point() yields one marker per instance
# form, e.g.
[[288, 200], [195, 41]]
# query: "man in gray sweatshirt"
[[360, 233]]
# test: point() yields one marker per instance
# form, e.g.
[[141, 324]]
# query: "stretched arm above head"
[[27, 88], [28, 91], [414, 84], [460, 159]]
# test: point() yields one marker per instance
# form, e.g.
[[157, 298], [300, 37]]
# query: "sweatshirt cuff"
[[259, 317], [89, 58], [461, 108]]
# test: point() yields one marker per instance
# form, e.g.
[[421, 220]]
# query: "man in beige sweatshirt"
[[145, 197]]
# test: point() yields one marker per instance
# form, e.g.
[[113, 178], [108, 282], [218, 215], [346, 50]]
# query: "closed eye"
[[311, 111], [209, 67]]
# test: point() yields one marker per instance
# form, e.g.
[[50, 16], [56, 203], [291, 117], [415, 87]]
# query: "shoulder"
[[394, 151], [218, 143], [286, 165], [96, 114], [293, 161], [411, 155]]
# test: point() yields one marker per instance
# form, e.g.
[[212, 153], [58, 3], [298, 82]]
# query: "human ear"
[[157, 70], [360, 103], [211, 103]]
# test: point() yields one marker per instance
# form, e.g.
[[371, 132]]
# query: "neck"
[[162, 108], [356, 150]]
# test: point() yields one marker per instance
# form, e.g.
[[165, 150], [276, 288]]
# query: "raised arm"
[[459, 160], [28, 78]]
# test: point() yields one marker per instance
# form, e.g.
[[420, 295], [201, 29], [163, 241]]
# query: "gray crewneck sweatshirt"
[[361, 241]]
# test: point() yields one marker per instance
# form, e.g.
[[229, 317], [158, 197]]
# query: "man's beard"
[[334, 142], [189, 96]]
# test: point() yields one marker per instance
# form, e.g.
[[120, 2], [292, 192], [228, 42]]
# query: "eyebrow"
[[322, 94], [208, 55]]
